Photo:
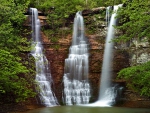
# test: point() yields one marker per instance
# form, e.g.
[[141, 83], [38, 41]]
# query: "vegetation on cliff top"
[[61, 12]]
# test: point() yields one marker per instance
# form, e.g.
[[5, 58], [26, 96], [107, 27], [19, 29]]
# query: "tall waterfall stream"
[[43, 74], [76, 85]]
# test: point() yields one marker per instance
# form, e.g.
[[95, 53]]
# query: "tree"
[[15, 85]]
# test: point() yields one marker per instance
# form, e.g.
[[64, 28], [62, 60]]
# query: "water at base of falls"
[[112, 94], [76, 85], [88, 109], [43, 75]]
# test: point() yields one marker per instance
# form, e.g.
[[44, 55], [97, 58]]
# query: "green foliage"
[[13, 83], [15, 77], [112, 2], [11, 21], [59, 11], [134, 20], [137, 78], [97, 20], [56, 46], [54, 36]]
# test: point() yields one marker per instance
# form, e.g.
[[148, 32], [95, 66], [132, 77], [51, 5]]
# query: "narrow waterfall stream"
[[108, 9], [43, 75], [107, 92], [76, 85]]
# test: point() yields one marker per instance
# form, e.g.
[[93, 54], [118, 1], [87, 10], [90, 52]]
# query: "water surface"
[[85, 109]]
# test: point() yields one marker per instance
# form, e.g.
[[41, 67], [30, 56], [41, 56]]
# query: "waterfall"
[[107, 93], [43, 75], [75, 79], [108, 15]]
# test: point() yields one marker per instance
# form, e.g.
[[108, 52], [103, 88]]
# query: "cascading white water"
[[76, 85], [107, 93], [43, 75], [108, 9]]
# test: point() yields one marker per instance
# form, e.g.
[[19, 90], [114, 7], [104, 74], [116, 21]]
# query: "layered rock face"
[[96, 31], [125, 55]]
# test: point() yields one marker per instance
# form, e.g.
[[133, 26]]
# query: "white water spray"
[[108, 9], [76, 85], [43, 75], [107, 93]]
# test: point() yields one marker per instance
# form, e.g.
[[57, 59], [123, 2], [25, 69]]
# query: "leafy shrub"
[[137, 78], [13, 85]]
